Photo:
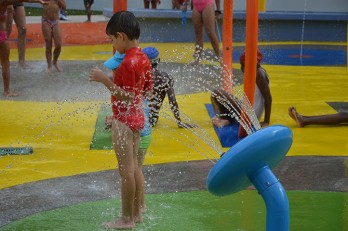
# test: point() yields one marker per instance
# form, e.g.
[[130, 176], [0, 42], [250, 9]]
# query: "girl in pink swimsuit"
[[199, 5], [203, 16]]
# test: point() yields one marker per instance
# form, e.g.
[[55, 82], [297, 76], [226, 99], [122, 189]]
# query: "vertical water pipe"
[[262, 5], [120, 5], [227, 27], [250, 56]]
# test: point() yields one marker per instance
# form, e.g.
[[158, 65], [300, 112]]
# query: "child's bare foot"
[[59, 69], [138, 219], [23, 65], [11, 94], [119, 224], [220, 122], [295, 116], [290, 113], [143, 209], [195, 62], [108, 121]]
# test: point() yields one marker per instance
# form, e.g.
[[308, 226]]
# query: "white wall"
[[308, 5], [271, 5]]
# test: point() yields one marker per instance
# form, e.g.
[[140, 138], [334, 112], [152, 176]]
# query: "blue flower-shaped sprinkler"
[[250, 162]]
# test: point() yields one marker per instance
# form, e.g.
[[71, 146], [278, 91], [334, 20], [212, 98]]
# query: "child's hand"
[[96, 75]]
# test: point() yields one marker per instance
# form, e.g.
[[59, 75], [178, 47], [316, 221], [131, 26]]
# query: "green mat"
[[102, 136], [199, 211]]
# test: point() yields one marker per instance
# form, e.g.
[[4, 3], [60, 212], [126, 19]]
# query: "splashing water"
[[303, 30], [205, 78], [188, 79]]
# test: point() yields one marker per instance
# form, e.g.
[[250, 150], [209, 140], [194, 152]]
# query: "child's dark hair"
[[124, 21]]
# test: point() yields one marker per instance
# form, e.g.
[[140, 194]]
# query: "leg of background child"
[[208, 16], [47, 33], [198, 28], [156, 104], [224, 106], [330, 119], [19, 18], [154, 4], [5, 64], [146, 4], [57, 36]]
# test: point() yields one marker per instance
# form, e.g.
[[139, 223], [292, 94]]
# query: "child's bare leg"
[[141, 156], [198, 28], [209, 24], [57, 46], [139, 179], [5, 63], [20, 20], [6, 77], [329, 119], [137, 205], [88, 12], [122, 138], [47, 33]]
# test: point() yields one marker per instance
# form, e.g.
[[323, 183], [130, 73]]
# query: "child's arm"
[[262, 83], [42, 2], [148, 84], [98, 75], [10, 2], [62, 4], [174, 104]]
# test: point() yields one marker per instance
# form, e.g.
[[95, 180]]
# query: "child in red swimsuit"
[[131, 81]]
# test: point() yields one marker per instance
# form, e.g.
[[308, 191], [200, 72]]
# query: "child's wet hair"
[[124, 21]]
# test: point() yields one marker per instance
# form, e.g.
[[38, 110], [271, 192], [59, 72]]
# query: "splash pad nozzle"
[[250, 162]]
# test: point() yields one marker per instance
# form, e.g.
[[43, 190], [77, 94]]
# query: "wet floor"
[[64, 183]]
